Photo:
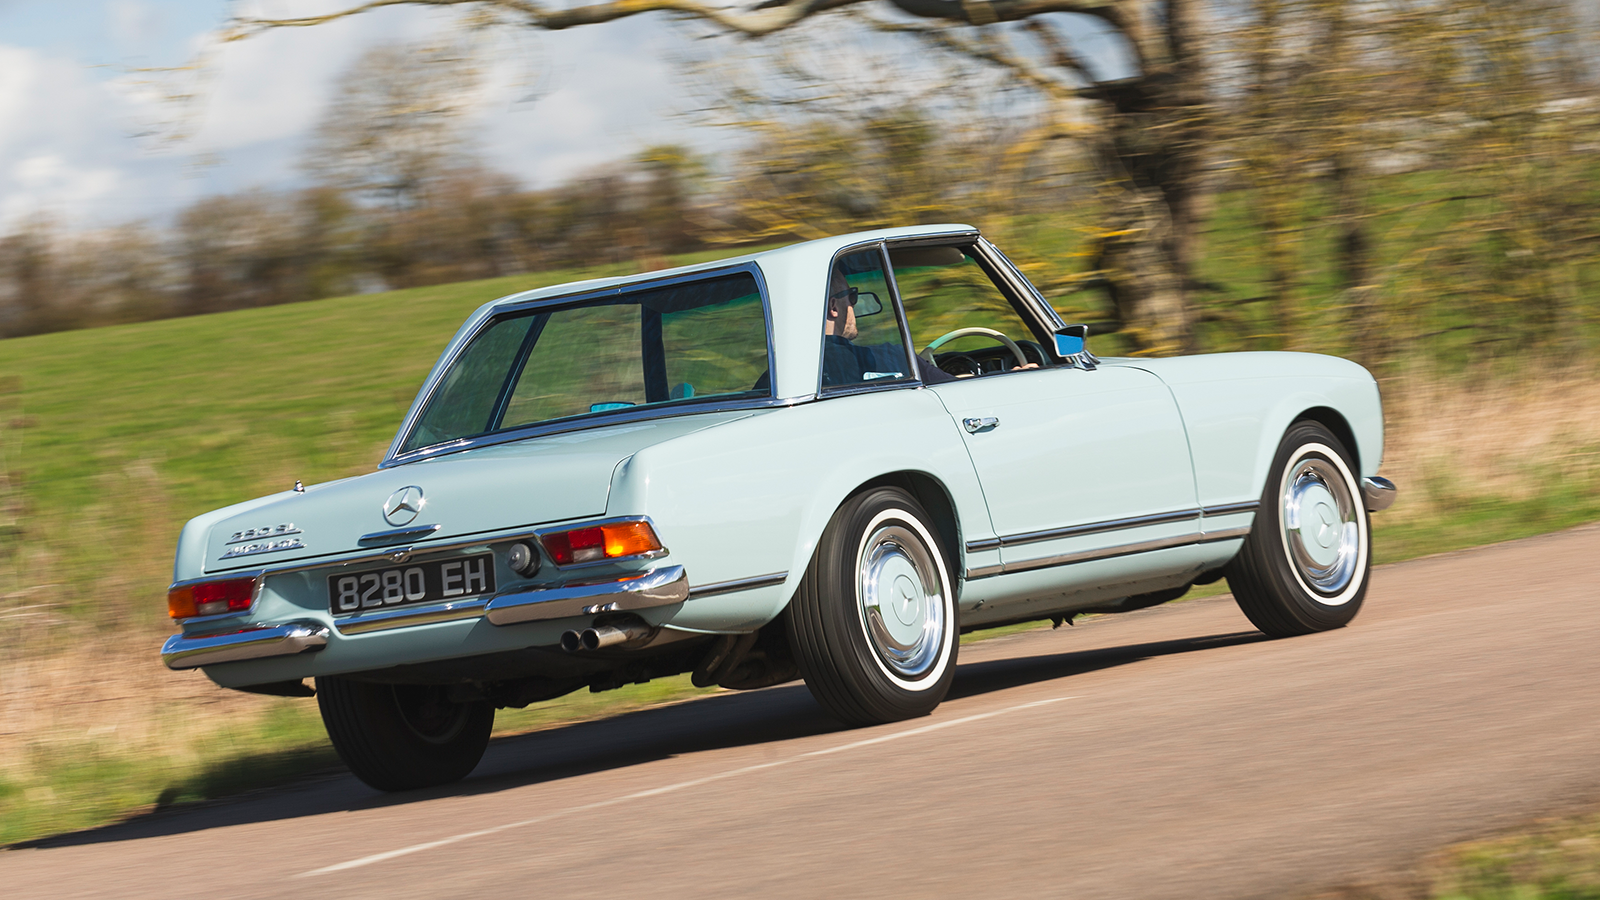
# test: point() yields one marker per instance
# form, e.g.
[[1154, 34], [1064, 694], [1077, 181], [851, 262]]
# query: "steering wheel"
[[947, 337]]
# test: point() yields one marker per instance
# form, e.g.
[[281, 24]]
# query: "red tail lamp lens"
[[211, 598], [599, 542]]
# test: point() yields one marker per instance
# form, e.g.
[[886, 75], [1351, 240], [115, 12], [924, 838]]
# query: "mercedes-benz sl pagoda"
[[825, 461]]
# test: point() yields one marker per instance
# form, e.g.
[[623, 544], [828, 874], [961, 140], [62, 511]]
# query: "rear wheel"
[[1305, 564], [397, 737], [873, 626]]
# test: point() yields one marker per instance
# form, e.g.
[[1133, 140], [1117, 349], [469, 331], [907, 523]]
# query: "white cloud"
[[58, 137], [554, 105]]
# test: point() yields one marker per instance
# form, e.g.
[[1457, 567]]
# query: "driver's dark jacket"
[[845, 363]]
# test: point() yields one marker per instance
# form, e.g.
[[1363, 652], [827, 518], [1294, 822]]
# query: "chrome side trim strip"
[[183, 651], [1034, 537], [385, 619], [657, 587], [398, 534], [1378, 493], [1065, 559], [1228, 509], [738, 584]]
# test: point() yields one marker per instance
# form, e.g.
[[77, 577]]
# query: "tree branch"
[[760, 21], [986, 12], [1060, 51], [763, 18], [987, 50]]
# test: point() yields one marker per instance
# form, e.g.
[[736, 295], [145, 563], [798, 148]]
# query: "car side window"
[[679, 343], [862, 342], [944, 290]]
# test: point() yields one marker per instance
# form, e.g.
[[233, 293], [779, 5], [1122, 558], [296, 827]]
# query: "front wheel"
[[397, 737], [873, 625], [1304, 566]]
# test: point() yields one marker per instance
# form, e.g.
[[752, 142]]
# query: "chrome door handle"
[[975, 425]]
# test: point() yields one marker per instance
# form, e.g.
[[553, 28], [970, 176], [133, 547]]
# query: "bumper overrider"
[[1378, 493], [663, 586]]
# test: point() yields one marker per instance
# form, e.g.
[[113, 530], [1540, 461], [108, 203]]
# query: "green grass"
[[117, 435], [1549, 861]]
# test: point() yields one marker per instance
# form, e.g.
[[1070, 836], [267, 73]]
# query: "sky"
[[87, 139]]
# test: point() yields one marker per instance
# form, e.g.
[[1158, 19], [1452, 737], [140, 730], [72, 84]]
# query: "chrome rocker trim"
[[1066, 559], [182, 651], [657, 587], [1182, 515], [1379, 493]]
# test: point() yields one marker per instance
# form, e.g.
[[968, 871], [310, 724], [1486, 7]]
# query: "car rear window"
[[686, 343]]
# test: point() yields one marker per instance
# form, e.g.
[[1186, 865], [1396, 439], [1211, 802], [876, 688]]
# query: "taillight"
[[211, 598], [615, 540]]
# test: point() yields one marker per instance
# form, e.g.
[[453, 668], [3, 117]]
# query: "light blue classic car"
[[825, 461]]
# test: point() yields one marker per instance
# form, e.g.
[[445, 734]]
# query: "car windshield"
[[680, 344]]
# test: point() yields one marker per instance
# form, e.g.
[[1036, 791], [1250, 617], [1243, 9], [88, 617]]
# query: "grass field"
[[111, 438]]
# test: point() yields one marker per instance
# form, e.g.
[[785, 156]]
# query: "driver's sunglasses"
[[852, 293]]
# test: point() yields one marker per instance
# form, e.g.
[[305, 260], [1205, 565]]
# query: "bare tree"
[[1156, 117], [395, 126]]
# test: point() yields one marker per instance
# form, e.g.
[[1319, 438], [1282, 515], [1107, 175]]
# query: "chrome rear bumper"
[[657, 587], [1378, 493], [182, 651]]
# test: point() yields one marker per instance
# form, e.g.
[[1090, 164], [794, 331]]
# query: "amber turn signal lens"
[[599, 542], [211, 598]]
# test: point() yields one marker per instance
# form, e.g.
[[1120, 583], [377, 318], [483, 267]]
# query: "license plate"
[[453, 579]]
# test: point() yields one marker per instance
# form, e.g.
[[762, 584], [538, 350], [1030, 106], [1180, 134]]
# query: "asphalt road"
[[1167, 753]]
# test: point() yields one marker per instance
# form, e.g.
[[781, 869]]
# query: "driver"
[[845, 362]]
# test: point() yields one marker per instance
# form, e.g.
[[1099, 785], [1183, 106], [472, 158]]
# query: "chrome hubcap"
[[1321, 526], [902, 602]]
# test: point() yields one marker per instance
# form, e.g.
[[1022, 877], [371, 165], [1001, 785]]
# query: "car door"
[[1074, 464]]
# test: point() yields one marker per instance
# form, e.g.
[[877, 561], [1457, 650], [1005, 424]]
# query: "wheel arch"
[[1360, 430], [1332, 420], [936, 500]]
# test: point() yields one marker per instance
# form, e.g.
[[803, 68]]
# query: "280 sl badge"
[[253, 534], [267, 547]]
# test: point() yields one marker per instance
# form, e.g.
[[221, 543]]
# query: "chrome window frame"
[[845, 390], [590, 420], [1025, 299], [1026, 292]]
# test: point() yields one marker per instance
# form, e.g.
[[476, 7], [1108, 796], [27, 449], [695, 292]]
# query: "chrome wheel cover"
[[902, 599], [1323, 523]]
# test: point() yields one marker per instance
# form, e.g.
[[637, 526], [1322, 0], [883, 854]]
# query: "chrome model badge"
[[264, 547], [403, 505], [265, 531]]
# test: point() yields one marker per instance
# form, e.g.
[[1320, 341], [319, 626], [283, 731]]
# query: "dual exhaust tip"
[[600, 636]]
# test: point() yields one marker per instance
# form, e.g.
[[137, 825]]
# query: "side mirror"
[[1072, 345]]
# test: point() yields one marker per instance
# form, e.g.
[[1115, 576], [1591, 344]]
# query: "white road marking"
[[670, 788]]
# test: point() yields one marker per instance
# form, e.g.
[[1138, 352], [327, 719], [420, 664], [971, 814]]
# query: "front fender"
[[1237, 406]]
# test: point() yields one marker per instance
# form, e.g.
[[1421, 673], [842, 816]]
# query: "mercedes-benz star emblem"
[[402, 506]]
